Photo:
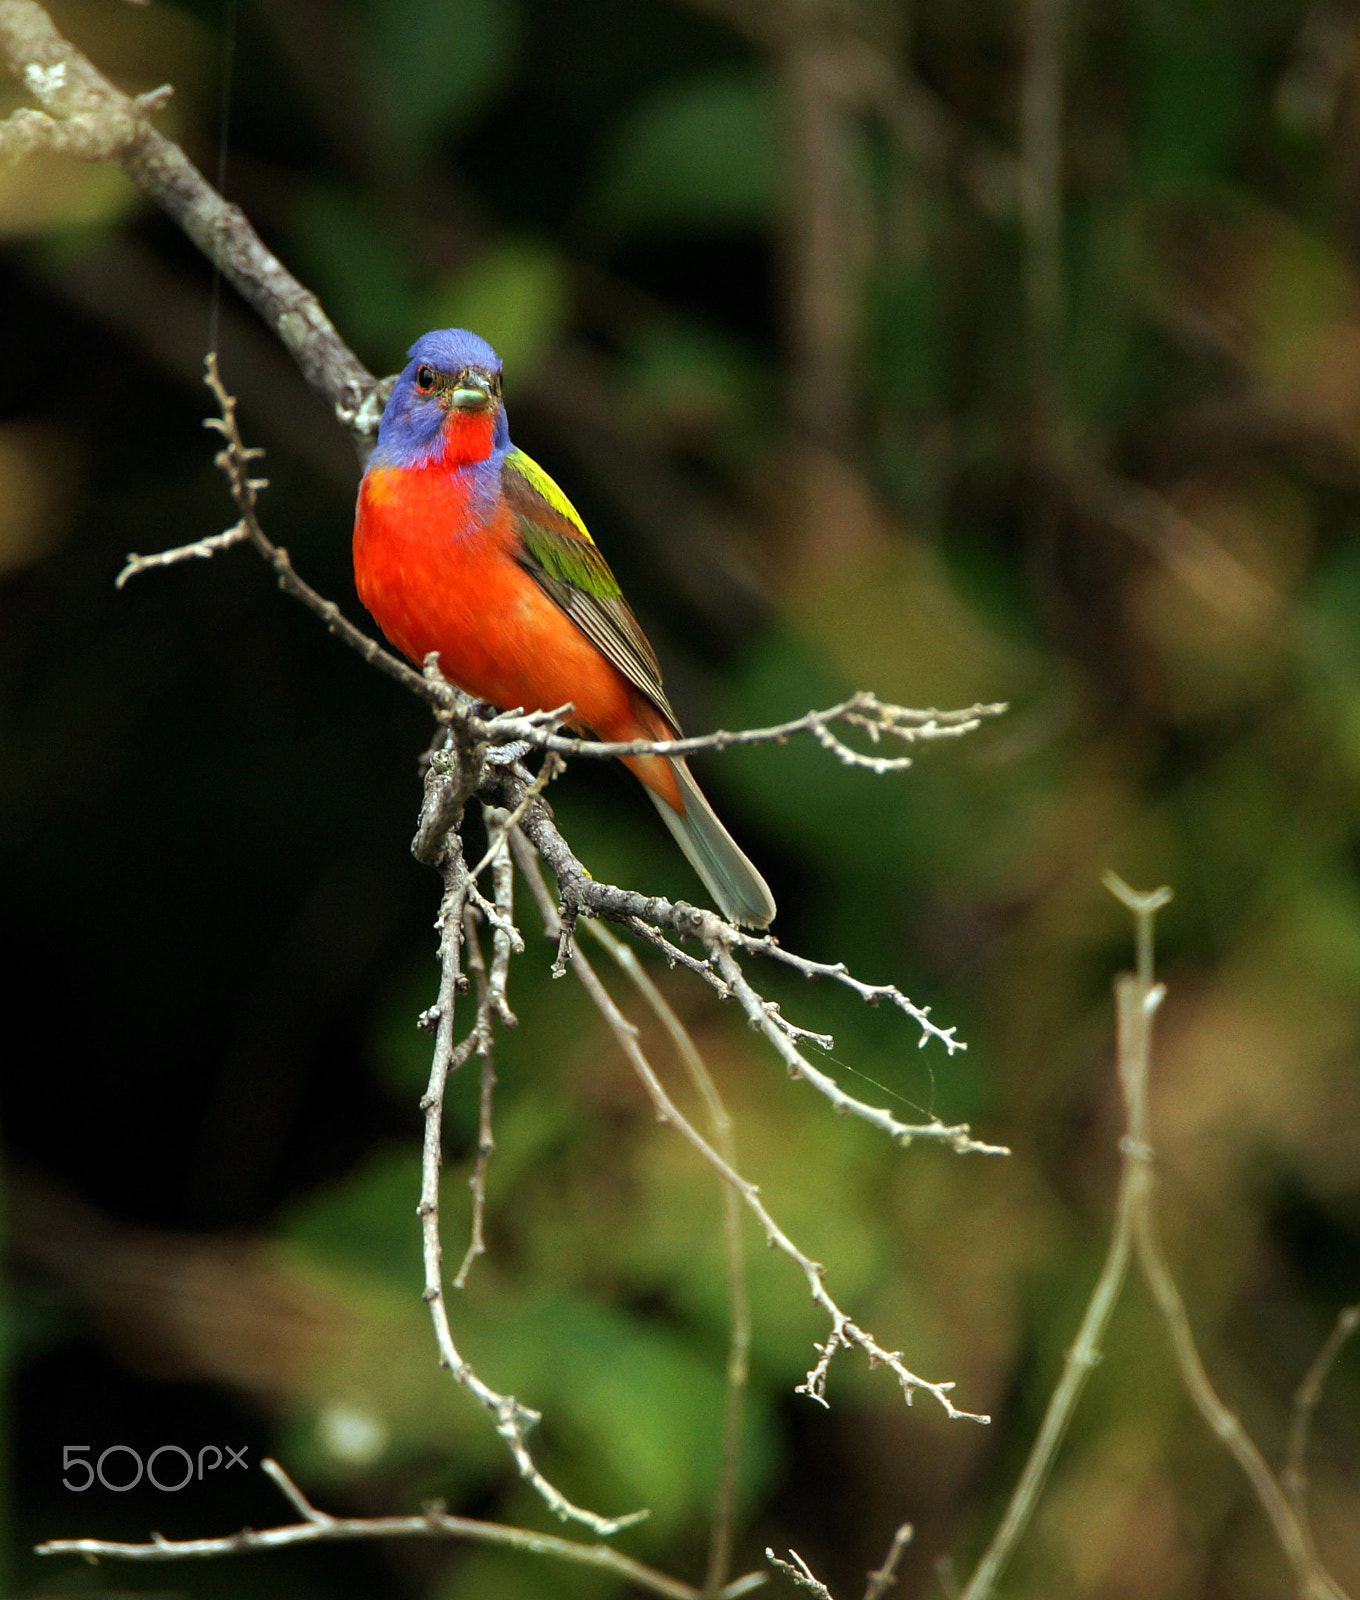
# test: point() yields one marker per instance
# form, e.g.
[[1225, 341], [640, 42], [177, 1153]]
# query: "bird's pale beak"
[[473, 391]]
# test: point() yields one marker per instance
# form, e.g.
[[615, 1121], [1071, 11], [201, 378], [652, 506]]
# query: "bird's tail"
[[741, 893]]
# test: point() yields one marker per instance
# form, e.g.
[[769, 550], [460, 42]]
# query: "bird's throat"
[[469, 437]]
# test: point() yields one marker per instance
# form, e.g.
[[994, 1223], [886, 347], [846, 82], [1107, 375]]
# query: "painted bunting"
[[465, 546]]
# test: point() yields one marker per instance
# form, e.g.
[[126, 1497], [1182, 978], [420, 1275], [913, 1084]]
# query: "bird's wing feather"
[[559, 554]]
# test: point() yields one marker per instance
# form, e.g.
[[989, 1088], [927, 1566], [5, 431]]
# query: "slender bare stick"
[[235, 461], [199, 550], [449, 780], [1294, 1476], [722, 1524], [1085, 1352], [844, 1333], [486, 1143], [434, 1522], [800, 1572], [876, 718], [1313, 1582], [761, 1017], [1138, 998], [881, 1579]]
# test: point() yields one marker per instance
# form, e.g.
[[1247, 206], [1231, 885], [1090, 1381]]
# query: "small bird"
[[465, 546]]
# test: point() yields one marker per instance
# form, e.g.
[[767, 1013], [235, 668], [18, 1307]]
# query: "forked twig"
[[1138, 997], [844, 1332], [318, 1527], [802, 1574]]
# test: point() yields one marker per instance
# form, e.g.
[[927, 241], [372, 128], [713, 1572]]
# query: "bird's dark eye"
[[424, 379]]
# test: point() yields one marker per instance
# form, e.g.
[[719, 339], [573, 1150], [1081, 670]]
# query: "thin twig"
[[486, 1143], [1294, 1476], [881, 1579], [877, 718], [235, 461], [844, 1332], [800, 1572], [1138, 998], [776, 1031], [433, 1523], [201, 550], [513, 1420], [1085, 1352], [722, 1524], [580, 893]]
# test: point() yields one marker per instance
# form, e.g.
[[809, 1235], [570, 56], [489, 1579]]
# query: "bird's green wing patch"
[[561, 557], [525, 467]]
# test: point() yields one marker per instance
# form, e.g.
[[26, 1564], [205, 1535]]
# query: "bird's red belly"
[[436, 580]]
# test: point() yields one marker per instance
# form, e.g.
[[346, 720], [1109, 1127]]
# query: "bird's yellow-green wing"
[[561, 557]]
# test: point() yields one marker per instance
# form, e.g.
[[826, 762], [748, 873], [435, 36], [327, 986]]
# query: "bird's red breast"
[[436, 565]]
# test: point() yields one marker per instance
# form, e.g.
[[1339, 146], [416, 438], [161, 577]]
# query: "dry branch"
[[106, 124], [477, 758], [844, 1333], [317, 1527], [1138, 998]]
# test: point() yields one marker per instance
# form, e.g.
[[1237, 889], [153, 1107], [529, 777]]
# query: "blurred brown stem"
[[1294, 1476], [1085, 1352], [1041, 118], [1138, 999]]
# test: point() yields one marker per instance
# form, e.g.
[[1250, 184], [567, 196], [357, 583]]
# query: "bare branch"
[[490, 998], [93, 113], [776, 1031], [739, 1342], [800, 1572], [881, 1579], [201, 550], [486, 1143], [1138, 999], [513, 1420], [874, 717], [1085, 1353], [580, 893], [235, 461], [434, 1522], [871, 993], [1294, 1477], [844, 1333]]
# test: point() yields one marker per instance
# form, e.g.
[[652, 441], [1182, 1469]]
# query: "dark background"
[[855, 388]]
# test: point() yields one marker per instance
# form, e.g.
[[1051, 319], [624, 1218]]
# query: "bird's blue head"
[[446, 406]]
